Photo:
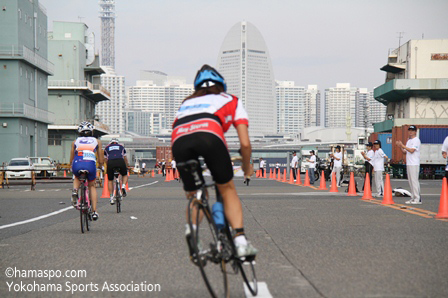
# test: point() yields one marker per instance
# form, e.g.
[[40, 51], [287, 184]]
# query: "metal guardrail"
[[77, 84], [22, 52], [12, 109]]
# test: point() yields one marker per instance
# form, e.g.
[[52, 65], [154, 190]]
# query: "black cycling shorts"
[[116, 163], [212, 149]]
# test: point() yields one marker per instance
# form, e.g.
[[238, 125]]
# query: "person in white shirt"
[[337, 164], [368, 163], [173, 166], [294, 163], [412, 151], [143, 168], [262, 166], [312, 167], [277, 167], [378, 167], [444, 154]]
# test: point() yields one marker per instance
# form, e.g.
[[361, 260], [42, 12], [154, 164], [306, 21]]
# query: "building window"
[[54, 139]]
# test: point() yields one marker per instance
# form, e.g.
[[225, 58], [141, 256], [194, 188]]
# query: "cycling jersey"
[[85, 158], [85, 148], [212, 113], [114, 151]]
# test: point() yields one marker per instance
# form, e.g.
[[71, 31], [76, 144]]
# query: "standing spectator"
[[312, 161], [337, 164], [412, 151], [294, 163], [368, 163], [163, 167], [173, 166], [277, 167], [143, 168], [262, 166], [378, 167], [445, 154]]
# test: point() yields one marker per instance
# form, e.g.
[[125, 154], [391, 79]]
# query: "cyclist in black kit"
[[115, 155]]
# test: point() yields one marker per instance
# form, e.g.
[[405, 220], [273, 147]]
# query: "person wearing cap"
[[294, 163], [312, 167], [337, 164], [368, 163], [445, 154], [412, 151], [378, 167]]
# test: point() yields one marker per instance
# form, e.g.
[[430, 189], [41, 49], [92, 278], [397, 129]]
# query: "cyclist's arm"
[[246, 150], [72, 152], [126, 161], [100, 154]]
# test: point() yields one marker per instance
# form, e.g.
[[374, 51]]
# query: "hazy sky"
[[310, 42]]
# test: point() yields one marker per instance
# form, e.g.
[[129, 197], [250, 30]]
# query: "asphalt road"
[[312, 243]]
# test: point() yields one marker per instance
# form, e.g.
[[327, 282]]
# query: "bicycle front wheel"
[[207, 255], [248, 273]]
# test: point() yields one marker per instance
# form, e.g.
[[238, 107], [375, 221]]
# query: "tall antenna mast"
[[107, 15], [400, 36]]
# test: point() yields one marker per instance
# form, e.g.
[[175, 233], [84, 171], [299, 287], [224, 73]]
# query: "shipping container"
[[386, 143], [164, 152], [373, 137], [433, 135]]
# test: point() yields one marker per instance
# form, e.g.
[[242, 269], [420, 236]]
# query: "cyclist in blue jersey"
[[83, 155], [115, 155]]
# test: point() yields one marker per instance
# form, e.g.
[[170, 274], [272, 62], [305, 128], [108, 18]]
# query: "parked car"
[[19, 168], [44, 166]]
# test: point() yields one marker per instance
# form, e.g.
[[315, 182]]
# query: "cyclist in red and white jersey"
[[198, 130]]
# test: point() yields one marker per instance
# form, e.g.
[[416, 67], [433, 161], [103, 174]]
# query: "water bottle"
[[218, 215]]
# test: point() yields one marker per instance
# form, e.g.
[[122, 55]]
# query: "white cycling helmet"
[[114, 140], [85, 127]]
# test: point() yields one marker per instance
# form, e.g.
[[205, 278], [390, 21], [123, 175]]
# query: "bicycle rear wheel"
[[248, 272], [205, 246], [117, 195], [82, 214]]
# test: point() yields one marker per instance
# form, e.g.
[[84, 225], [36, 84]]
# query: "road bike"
[[212, 243], [117, 190], [84, 207]]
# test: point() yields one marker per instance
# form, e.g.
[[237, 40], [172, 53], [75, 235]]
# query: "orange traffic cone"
[[334, 187], [270, 173], [167, 177], [284, 176], [279, 176], [387, 198], [291, 177], [323, 185], [160, 171], [307, 179], [127, 184], [367, 189], [264, 173], [257, 175], [298, 181], [152, 174], [65, 174], [443, 207], [352, 187], [105, 194]]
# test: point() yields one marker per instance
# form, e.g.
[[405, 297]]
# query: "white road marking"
[[35, 219], [263, 291], [130, 188]]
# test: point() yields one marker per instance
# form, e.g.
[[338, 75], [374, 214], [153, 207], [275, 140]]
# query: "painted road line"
[[293, 194], [35, 219], [130, 188], [399, 207], [263, 291]]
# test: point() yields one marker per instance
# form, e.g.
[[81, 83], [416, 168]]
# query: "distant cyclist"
[[115, 155], [198, 130], [83, 155]]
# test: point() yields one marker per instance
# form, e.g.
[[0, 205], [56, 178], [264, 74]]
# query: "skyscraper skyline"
[[245, 63]]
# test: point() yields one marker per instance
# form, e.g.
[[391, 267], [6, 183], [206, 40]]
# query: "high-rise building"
[[159, 94], [368, 110], [312, 100], [107, 15], [111, 112], [340, 106], [290, 107], [245, 63], [144, 123], [24, 111]]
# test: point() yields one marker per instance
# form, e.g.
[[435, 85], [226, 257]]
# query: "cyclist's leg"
[[92, 194], [232, 204]]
